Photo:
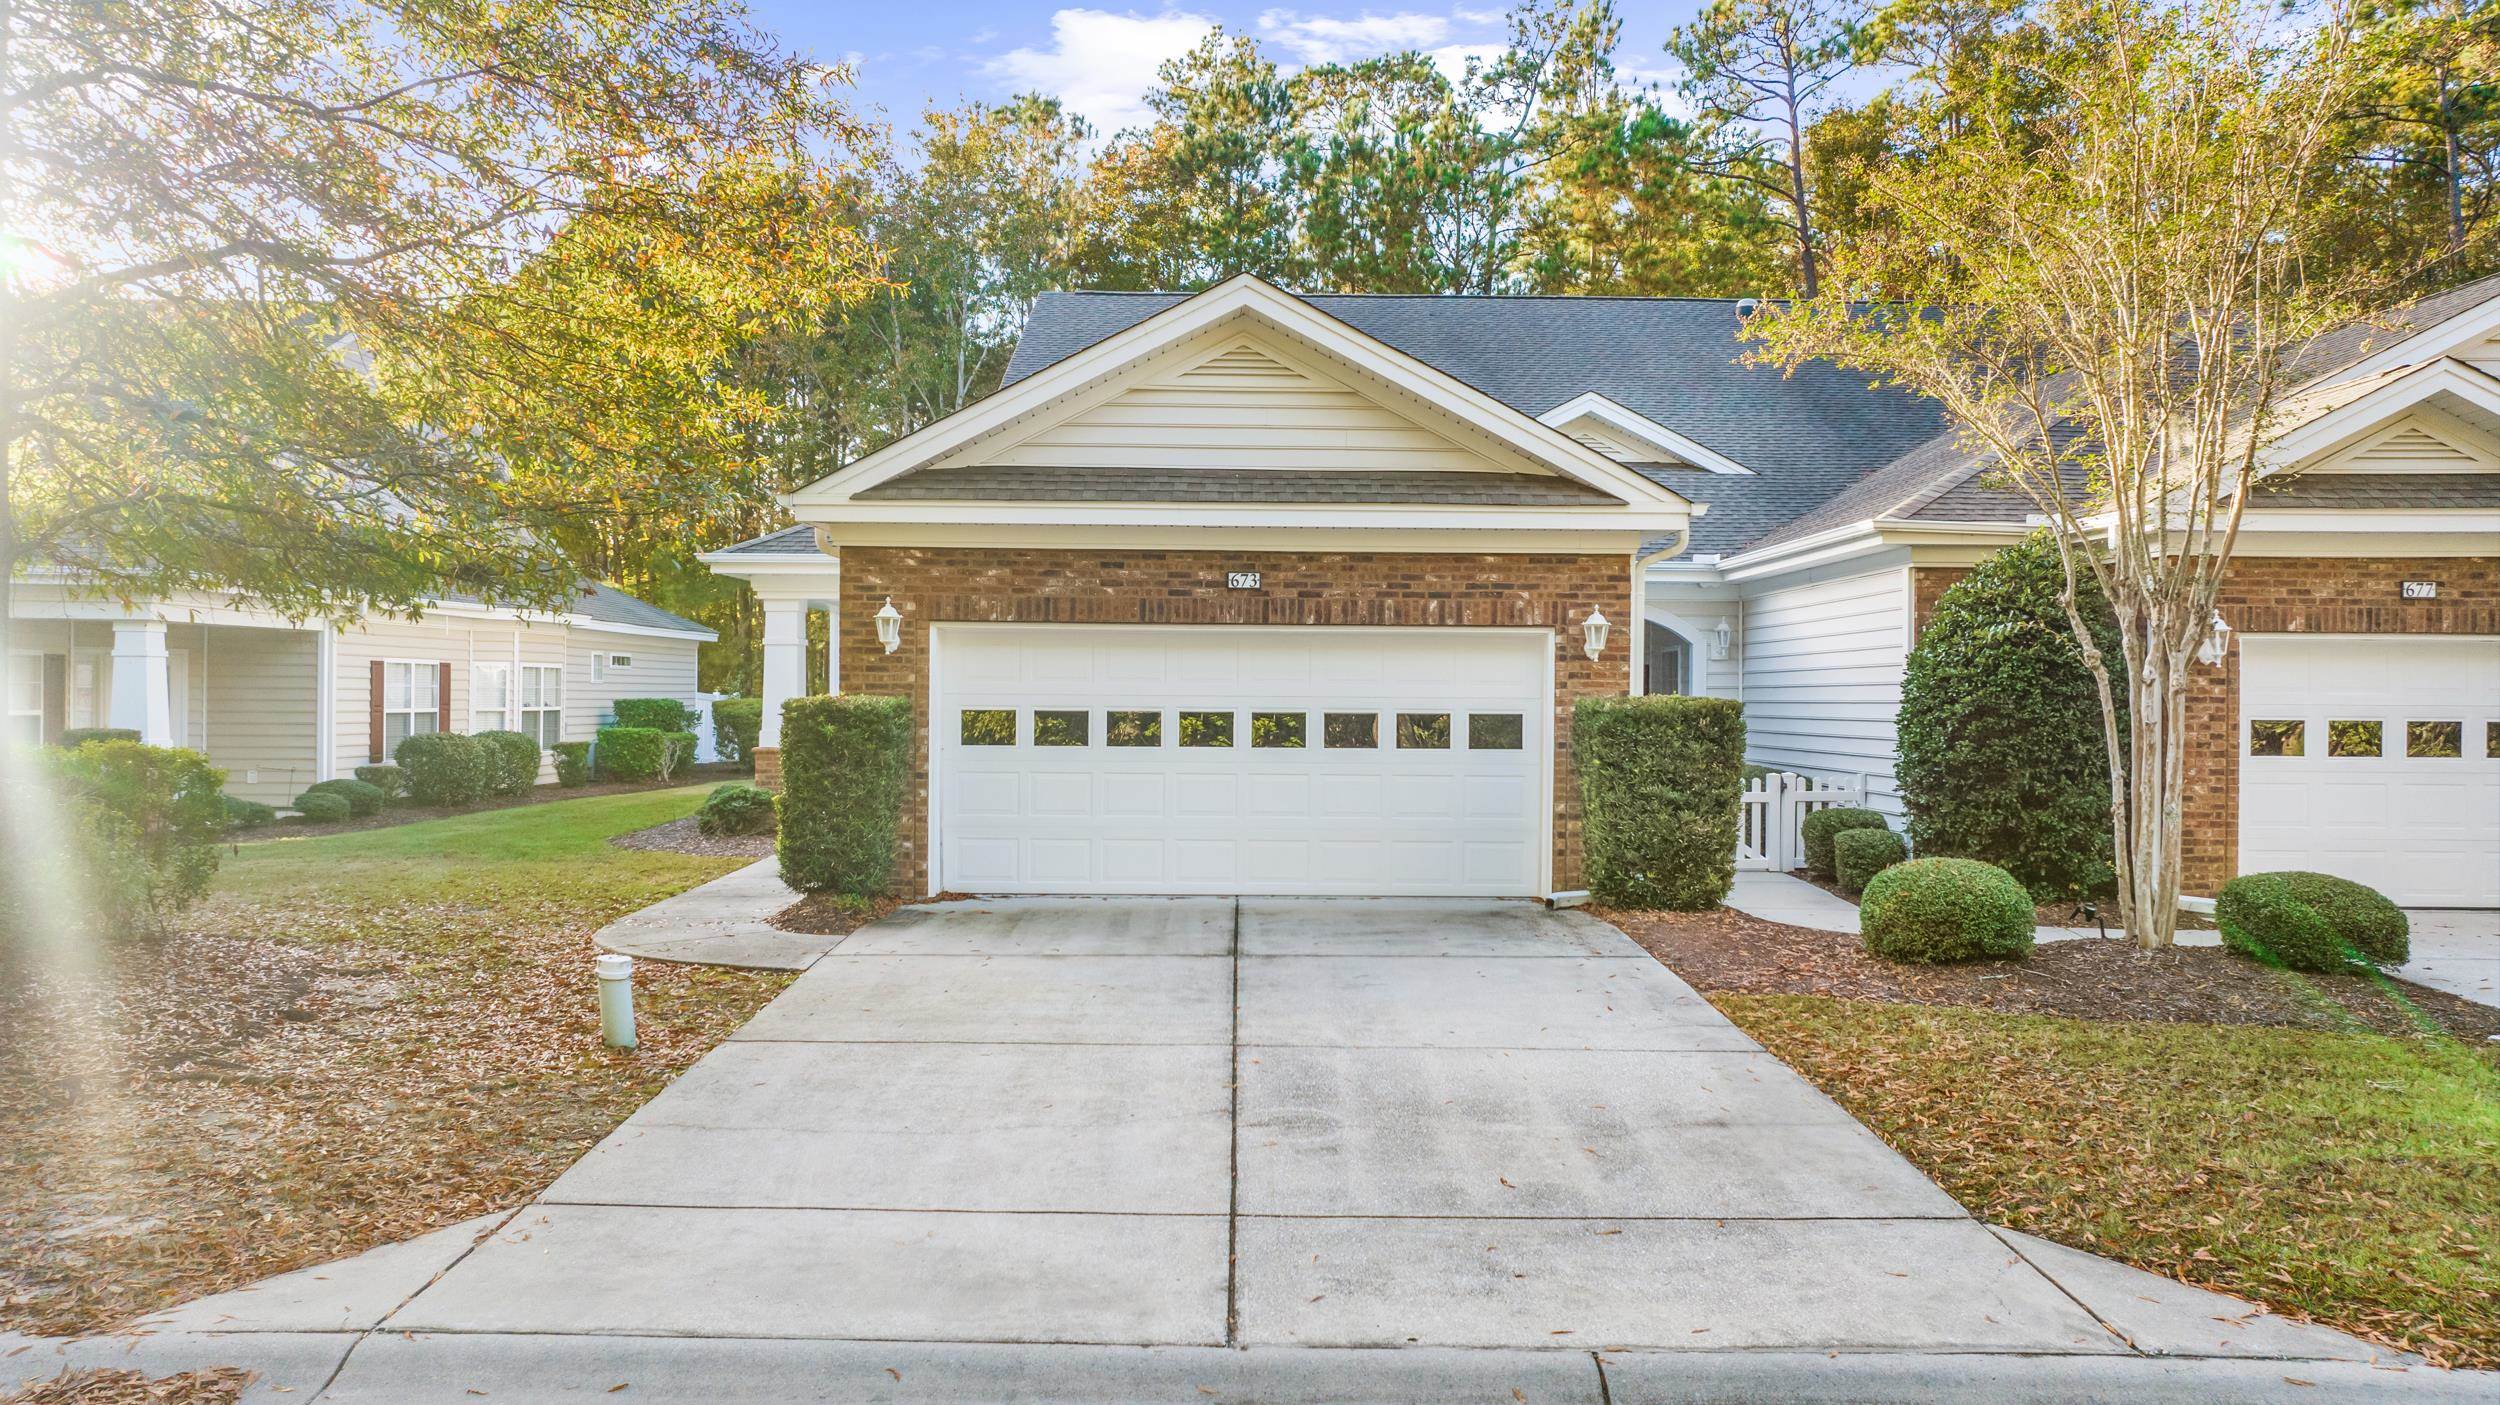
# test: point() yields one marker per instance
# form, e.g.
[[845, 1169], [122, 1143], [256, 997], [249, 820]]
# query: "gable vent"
[[1245, 366], [2413, 444]]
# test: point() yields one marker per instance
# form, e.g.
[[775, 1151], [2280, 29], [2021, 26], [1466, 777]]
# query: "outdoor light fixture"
[[890, 626], [1593, 629], [1720, 639], [2217, 645]]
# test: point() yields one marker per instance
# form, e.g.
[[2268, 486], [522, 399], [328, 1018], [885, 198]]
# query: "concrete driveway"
[[1206, 1149]]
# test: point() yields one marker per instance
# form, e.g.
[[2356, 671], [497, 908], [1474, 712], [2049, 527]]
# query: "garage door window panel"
[[988, 726], [1206, 729], [1061, 727], [2437, 741], [1497, 731], [1278, 731], [2353, 738], [1132, 728], [1351, 731], [1423, 731], [2275, 737]]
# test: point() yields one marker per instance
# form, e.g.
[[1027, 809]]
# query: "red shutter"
[[55, 697], [374, 713], [442, 697]]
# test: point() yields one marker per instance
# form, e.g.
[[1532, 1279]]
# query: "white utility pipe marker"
[[616, 1000]]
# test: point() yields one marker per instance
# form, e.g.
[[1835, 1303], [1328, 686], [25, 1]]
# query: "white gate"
[[1769, 812]]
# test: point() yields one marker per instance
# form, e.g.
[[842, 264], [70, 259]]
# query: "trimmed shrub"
[[844, 764], [323, 807], [631, 753], [1819, 828], [678, 753], [2311, 921], [658, 714], [737, 808], [1859, 854], [246, 814], [572, 763], [736, 724], [387, 778], [76, 737], [2000, 727], [363, 797], [444, 768], [1659, 781], [512, 762], [143, 822], [1933, 910]]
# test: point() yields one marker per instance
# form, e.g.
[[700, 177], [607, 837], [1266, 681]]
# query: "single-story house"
[[280, 704], [1249, 592]]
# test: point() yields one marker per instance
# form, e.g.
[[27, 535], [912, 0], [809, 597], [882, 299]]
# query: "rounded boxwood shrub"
[[322, 807], [363, 797], [1819, 828], [387, 778], [2311, 921], [737, 808], [1659, 781], [512, 762], [736, 724], [2001, 752], [143, 821], [845, 762], [658, 714], [246, 814], [444, 768], [1859, 854], [1932, 910], [572, 763], [631, 753]]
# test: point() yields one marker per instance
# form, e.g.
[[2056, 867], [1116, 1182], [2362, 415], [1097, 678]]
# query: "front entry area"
[[2374, 758], [1242, 760]]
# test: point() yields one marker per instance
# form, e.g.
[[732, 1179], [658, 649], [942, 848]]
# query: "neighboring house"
[[1407, 510], [280, 704]]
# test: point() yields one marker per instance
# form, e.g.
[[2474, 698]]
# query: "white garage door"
[[2376, 759], [1241, 760]]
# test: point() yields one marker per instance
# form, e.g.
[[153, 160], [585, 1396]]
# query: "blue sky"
[[1099, 58]]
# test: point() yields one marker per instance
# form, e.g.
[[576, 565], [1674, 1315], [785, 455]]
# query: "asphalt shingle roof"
[[989, 482], [1806, 436], [608, 605], [789, 541]]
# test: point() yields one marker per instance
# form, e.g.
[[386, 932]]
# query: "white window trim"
[[24, 664], [505, 712], [434, 671], [522, 710]]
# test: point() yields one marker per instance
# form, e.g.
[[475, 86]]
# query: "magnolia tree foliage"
[[2111, 284], [340, 305]]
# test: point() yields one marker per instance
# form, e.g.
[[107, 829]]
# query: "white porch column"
[[142, 698], [785, 662]]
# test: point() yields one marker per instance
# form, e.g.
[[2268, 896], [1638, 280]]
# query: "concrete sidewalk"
[[1194, 1149]]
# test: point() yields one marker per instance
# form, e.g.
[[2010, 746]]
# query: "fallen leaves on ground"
[[223, 1386]]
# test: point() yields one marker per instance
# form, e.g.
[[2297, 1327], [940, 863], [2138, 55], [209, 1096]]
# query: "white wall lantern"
[[2217, 645], [1721, 639], [1593, 631], [890, 626]]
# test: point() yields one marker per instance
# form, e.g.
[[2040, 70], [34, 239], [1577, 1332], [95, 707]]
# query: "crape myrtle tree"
[[2112, 287], [341, 305]]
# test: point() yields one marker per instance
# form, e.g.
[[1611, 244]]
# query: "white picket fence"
[[1770, 811]]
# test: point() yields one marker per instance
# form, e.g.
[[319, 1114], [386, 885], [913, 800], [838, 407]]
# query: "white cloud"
[[1100, 64], [1315, 39]]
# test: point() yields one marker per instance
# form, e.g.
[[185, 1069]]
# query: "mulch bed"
[[406, 813], [831, 915], [222, 1386], [2089, 979], [2058, 914], [686, 837]]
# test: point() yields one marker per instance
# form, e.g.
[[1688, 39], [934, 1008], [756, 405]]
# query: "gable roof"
[[1801, 437]]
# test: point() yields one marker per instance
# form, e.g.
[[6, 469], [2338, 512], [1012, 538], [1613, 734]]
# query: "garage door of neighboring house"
[[1216, 759], [2374, 758]]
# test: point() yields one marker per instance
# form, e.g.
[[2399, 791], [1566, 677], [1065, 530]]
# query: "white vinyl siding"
[[1822, 679], [1244, 406], [260, 708], [2415, 444], [662, 668]]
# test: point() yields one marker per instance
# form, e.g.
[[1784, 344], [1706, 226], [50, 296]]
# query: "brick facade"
[[940, 584], [2306, 595], [1928, 585]]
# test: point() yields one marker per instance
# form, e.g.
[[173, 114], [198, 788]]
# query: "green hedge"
[[737, 808], [736, 724], [658, 714], [77, 737], [2311, 921], [143, 822], [511, 761], [246, 814], [444, 768], [1659, 781], [678, 753], [323, 807], [363, 797], [2000, 727], [572, 763], [1859, 854], [1946, 910], [631, 753], [1822, 826], [389, 779], [844, 764]]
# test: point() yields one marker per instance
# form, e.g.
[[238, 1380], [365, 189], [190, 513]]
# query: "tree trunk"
[[2148, 820]]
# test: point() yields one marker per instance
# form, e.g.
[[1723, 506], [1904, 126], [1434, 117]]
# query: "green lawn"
[[466, 882], [2351, 1178]]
